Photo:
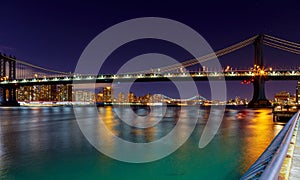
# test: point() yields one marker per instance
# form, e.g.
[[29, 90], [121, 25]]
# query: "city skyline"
[[57, 40], [149, 90], [107, 94]]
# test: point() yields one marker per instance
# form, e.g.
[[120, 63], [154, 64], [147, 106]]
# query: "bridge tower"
[[259, 97], [8, 72]]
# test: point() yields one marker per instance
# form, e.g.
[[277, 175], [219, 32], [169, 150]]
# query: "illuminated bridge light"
[[261, 72], [215, 74], [232, 74], [293, 73], [108, 77], [270, 69]]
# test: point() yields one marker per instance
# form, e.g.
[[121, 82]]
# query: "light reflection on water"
[[46, 143]]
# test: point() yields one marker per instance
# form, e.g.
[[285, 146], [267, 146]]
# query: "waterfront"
[[46, 143]]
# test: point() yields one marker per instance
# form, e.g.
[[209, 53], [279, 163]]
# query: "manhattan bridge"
[[15, 73]]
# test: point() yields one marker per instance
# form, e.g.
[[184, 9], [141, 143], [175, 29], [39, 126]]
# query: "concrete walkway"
[[290, 169], [295, 164]]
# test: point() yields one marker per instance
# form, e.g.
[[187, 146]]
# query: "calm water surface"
[[46, 143]]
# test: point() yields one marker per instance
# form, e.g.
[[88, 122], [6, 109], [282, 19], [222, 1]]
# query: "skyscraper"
[[47, 93], [298, 93], [107, 94], [64, 92], [28, 93]]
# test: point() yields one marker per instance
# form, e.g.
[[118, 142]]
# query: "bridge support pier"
[[259, 97], [8, 95], [2, 96]]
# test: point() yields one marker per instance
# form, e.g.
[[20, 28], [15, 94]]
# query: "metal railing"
[[268, 165]]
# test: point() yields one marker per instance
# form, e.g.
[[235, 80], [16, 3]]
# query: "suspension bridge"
[[15, 73]]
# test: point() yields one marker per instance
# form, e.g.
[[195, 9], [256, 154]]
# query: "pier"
[[281, 159], [283, 112]]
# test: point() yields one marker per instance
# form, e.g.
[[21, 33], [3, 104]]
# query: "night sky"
[[53, 34]]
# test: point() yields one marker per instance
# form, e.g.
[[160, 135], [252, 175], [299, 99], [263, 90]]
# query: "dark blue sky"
[[53, 33]]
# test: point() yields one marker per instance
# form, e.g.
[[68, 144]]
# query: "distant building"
[[100, 97], [121, 98], [298, 93], [47, 93], [282, 97], [78, 95], [156, 98], [83, 96], [23, 93], [131, 97], [107, 94], [145, 99], [64, 92]]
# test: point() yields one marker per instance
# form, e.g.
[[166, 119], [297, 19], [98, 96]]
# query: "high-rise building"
[[121, 98], [146, 98], [83, 96], [78, 95], [23, 93], [100, 97], [298, 93], [47, 93], [64, 92], [282, 97], [28, 93], [131, 97], [107, 94]]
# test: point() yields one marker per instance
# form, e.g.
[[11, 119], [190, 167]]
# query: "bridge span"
[[239, 75], [15, 73]]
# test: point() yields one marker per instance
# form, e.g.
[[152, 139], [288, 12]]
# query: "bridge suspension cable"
[[282, 41], [284, 48], [282, 44], [36, 67], [268, 40], [207, 57]]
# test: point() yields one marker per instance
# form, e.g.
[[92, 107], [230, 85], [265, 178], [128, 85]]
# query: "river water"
[[47, 143]]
